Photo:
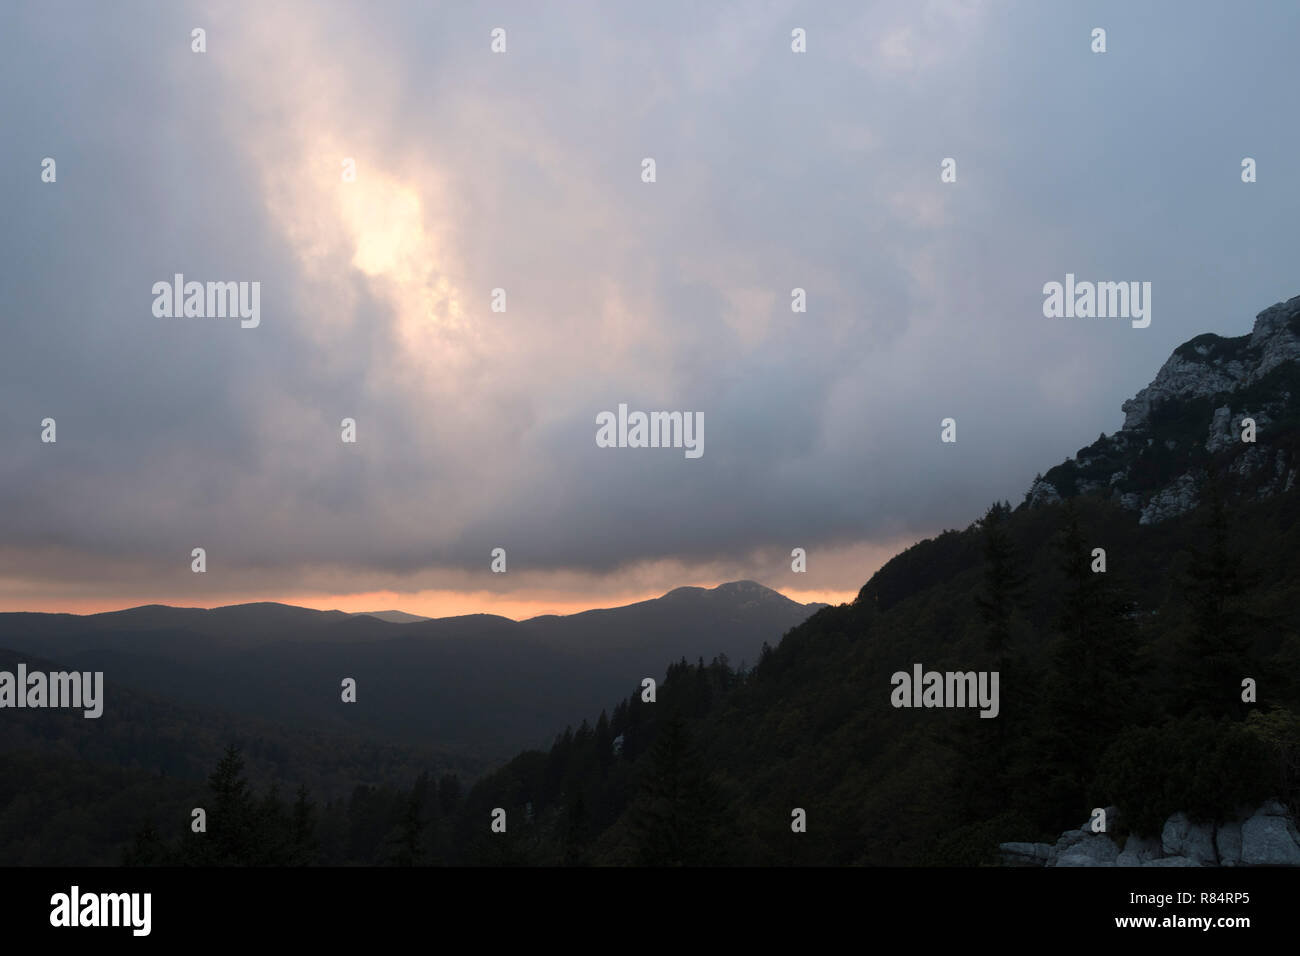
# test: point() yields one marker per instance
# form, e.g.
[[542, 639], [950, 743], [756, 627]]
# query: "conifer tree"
[[675, 819], [986, 752], [604, 743], [230, 838], [1215, 650], [577, 827], [1004, 581], [148, 848], [409, 847], [1091, 690], [305, 844]]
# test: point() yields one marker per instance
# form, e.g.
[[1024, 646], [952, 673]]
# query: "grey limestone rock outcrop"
[[1269, 838], [1156, 464], [1182, 837], [1209, 365], [1227, 842], [1043, 492], [1265, 837], [1028, 854], [1139, 851], [1179, 497], [1095, 849]]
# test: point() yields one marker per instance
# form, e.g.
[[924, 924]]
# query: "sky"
[[522, 170]]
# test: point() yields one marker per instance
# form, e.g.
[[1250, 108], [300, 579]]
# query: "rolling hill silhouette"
[[478, 684]]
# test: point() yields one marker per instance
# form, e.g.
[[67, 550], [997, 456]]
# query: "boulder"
[[1269, 838], [1095, 849], [1266, 836], [1070, 837], [1027, 854], [1183, 837], [1228, 842], [1139, 851]]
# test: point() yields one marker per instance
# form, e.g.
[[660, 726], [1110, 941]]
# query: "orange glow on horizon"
[[423, 603]]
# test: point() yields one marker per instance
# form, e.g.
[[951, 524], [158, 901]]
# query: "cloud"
[[477, 171]]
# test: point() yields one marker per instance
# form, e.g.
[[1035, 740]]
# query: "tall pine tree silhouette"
[[305, 845], [985, 751], [1215, 650], [231, 837], [1004, 581], [675, 819], [1091, 690]]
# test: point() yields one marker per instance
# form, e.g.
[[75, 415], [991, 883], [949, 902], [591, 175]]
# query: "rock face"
[[1139, 851], [1028, 854], [1209, 365], [1269, 838], [1190, 419], [1227, 841], [1095, 849], [1179, 497], [1042, 492], [1266, 837], [1182, 837]]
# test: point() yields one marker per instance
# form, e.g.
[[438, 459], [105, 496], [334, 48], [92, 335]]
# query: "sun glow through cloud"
[[385, 222]]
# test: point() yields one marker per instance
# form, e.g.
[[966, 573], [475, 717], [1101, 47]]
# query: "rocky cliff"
[[1192, 420]]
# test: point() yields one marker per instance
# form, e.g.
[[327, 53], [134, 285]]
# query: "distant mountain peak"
[[728, 588], [732, 590], [744, 587], [1188, 421]]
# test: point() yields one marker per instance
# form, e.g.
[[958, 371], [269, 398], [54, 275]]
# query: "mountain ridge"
[[480, 684], [394, 616]]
